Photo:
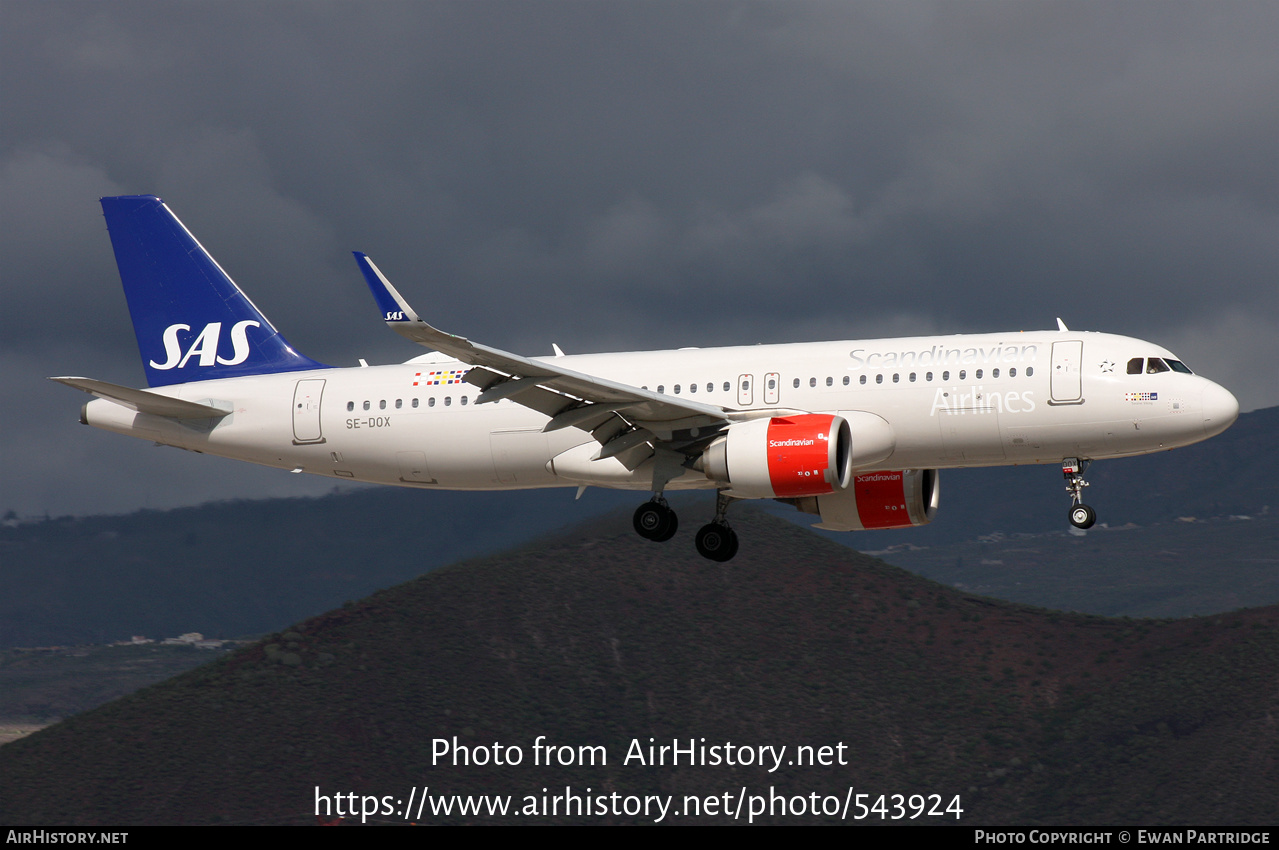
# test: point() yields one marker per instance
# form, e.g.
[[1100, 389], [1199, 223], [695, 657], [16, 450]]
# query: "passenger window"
[[415, 404], [448, 400], [879, 379], [381, 405], [796, 383], [846, 380], [945, 376], [963, 373], [399, 402], [1135, 365], [928, 376], [692, 388], [661, 389], [1012, 373], [430, 402], [350, 405], [772, 383], [464, 401], [710, 388], [912, 377], [862, 379], [727, 385], [812, 382], [896, 378], [830, 382], [1030, 370], [1155, 365], [979, 374], [677, 389], [994, 373], [366, 405]]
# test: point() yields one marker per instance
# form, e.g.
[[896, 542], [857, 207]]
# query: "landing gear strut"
[[716, 540], [1081, 516], [654, 520]]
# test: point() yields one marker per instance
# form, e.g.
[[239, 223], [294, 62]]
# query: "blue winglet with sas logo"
[[191, 320], [393, 306]]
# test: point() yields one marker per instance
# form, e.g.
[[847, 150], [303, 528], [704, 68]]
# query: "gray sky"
[[623, 175]]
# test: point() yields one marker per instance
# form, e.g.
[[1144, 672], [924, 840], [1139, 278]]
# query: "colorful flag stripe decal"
[[436, 379]]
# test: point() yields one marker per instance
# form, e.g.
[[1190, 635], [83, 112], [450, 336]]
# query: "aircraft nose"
[[1220, 409]]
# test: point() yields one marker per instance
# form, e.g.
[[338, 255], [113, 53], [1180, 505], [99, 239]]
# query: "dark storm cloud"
[[634, 175]]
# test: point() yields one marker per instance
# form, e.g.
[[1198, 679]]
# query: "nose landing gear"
[[1081, 516]]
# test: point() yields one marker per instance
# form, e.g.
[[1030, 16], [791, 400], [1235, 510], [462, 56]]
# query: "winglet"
[[392, 304], [402, 319]]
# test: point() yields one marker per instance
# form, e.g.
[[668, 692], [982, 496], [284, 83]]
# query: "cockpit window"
[[1136, 365], [1154, 364], [1178, 366]]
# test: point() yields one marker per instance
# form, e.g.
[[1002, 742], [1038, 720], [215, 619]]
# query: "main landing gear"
[[654, 520], [716, 540], [1081, 516]]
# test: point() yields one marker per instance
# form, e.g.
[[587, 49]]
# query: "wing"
[[629, 422]]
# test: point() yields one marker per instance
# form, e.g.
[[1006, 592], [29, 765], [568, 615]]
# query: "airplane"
[[852, 432]]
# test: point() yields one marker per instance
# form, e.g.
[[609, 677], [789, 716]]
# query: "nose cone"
[[1220, 409]]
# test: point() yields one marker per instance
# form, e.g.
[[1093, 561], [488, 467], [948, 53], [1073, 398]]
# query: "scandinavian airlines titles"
[[939, 355]]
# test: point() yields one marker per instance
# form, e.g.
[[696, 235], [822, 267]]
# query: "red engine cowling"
[[783, 456], [889, 499]]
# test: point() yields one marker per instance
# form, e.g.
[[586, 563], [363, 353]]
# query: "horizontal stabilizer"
[[144, 401]]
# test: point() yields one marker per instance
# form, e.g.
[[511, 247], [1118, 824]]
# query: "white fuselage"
[[952, 401]]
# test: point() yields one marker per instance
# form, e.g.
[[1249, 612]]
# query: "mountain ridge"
[[598, 638]]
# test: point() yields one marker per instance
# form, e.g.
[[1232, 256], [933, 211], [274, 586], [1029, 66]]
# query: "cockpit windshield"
[[1155, 365]]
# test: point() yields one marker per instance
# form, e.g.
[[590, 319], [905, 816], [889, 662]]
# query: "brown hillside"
[[599, 638]]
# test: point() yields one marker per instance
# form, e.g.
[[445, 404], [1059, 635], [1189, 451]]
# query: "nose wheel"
[[1081, 516]]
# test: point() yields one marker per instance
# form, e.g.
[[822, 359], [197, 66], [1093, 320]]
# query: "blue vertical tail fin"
[[191, 320]]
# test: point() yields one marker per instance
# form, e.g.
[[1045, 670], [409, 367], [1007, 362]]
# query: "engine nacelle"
[[807, 454], [889, 499]]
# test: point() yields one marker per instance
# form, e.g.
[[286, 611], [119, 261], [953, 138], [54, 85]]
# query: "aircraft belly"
[[970, 434], [520, 456], [576, 466], [1084, 439], [475, 449]]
